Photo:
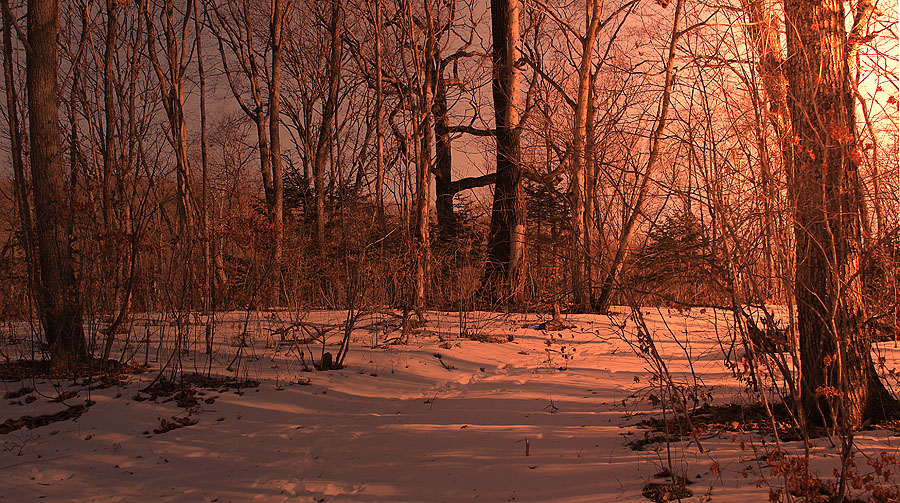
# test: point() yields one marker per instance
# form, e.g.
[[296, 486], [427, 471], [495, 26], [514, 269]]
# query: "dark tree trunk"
[[379, 124], [443, 175], [109, 154], [838, 378], [61, 313], [506, 240]]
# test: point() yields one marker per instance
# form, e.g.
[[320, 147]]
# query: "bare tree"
[[580, 239], [237, 27], [379, 120], [636, 210], [170, 72]]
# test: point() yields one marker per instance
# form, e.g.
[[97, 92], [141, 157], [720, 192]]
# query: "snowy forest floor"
[[472, 407]]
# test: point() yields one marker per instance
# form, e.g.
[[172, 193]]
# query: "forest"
[[214, 195]]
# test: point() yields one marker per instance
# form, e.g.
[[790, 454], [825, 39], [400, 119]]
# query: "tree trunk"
[[506, 239], [279, 12], [580, 250], [838, 379], [109, 154], [590, 198], [764, 34], [265, 157], [329, 111], [209, 278], [766, 40], [61, 313], [443, 162], [171, 88], [427, 76], [379, 124]]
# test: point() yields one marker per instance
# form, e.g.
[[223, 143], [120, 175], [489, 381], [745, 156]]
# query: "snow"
[[399, 423]]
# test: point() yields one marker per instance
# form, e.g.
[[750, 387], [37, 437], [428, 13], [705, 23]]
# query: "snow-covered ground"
[[546, 416]]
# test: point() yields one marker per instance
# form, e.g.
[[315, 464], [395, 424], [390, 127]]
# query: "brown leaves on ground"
[[96, 371], [32, 422], [173, 423]]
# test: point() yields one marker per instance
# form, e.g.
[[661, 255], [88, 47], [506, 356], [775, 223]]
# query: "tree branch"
[[472, 182], [474, 131]]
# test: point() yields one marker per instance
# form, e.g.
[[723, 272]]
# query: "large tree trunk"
[[838, 378], [61, 305], [506, 240]]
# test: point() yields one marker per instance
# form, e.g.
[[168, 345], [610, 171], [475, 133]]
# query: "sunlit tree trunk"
[[580, 286], [427, 76], [838, 379]]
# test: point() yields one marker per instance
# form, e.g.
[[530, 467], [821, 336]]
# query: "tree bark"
[[61, 313], [839, 384], [506, 238]]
